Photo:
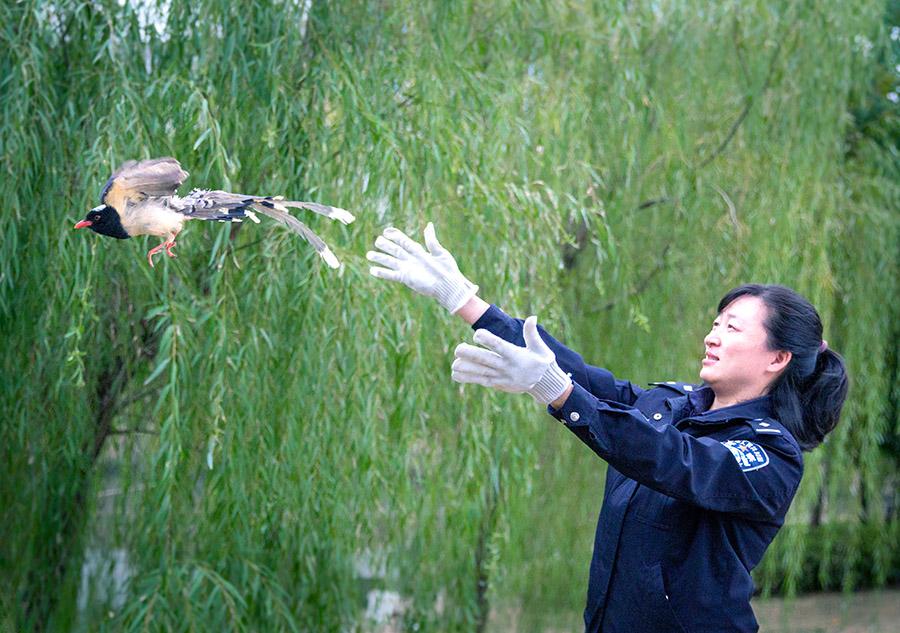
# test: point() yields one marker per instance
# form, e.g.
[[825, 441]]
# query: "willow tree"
[[729, 145], [244, 439]]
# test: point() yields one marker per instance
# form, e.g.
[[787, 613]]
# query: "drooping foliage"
[[244, 439]]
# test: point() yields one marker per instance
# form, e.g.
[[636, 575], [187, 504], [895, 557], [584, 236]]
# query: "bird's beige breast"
[[152, 219]]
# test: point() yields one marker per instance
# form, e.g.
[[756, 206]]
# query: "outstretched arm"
[[750, 476], [596, 380], [754, 477], [474, 309], [433, 272]]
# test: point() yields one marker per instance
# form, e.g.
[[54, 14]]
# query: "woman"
[[700, 477]]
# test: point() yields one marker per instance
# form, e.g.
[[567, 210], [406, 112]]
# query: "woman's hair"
[[809, 393]]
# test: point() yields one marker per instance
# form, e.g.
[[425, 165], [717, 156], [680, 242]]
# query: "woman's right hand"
[[433, 272]]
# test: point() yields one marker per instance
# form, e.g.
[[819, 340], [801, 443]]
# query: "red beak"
[[83, 224]]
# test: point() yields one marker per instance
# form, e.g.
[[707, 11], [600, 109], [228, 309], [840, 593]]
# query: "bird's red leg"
[[153, 251], [170, 244]]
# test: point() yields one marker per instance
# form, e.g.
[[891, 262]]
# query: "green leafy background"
[[253, 441]]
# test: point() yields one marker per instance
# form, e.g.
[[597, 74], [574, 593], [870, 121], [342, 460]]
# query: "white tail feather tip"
[[342, 216], [329, 258]]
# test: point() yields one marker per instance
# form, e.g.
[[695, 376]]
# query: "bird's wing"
[[138, 180]]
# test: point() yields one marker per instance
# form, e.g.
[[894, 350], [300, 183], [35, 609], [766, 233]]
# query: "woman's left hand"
[[502, 365]]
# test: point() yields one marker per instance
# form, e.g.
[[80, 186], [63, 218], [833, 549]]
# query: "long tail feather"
[[335, 213], [269, 208], [224, 206]]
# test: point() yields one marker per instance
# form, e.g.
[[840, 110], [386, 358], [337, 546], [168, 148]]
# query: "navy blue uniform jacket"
[[693, 497]]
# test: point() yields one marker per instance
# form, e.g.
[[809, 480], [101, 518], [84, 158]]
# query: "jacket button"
[[657, 416], [574, 416]]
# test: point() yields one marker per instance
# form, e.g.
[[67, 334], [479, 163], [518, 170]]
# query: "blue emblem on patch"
[[749, 456]]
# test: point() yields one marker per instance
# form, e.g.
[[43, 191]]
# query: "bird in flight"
[[140, 198]]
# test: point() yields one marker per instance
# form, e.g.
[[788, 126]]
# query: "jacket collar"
[[695, 406]]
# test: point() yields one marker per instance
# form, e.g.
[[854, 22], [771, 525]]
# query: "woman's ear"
[[779, 361]]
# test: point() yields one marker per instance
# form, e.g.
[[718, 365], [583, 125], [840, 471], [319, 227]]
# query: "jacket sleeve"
[[598, 381], [702, 471]]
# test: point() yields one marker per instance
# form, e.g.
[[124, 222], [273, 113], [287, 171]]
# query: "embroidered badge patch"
[[749, 456]]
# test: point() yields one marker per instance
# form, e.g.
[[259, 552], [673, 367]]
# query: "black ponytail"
[[810, 392]]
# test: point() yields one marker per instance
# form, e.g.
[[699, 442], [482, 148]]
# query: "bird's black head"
[[105, 221]]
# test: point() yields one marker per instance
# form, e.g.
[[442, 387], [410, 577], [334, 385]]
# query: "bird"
[[140, 198]]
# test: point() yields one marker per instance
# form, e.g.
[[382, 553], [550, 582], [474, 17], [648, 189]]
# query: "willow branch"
[[748, 102], [641, 284]]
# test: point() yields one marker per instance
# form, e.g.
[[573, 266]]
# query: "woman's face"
[[738, 361]]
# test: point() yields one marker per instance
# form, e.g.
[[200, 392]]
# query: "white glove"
[[433, 274], [531, 369]]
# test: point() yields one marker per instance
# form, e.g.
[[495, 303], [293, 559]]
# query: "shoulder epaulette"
[[765, 426], [680, 387]]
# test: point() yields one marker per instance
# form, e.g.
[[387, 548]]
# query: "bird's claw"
[[168, 246]]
